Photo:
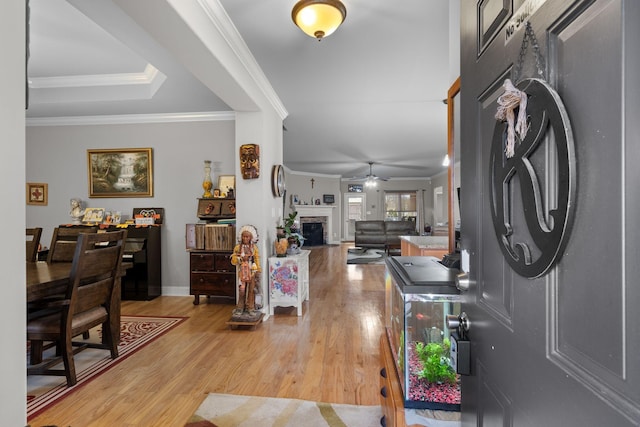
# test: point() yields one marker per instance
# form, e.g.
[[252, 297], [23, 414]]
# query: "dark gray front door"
[[562, 349]]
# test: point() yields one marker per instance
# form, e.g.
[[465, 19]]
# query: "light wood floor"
[[328, 354]]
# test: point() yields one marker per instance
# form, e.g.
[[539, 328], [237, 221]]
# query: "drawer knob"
[[383, 392]]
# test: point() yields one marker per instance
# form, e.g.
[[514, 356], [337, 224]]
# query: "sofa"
[[382, 234]]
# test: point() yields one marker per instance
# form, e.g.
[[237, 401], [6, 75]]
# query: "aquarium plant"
[[435, 362]]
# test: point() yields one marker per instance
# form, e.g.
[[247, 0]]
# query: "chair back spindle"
[[33, 241]]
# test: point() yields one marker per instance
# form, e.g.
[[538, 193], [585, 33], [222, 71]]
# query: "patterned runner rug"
[[226, 410], [136, 332], [365, 256]]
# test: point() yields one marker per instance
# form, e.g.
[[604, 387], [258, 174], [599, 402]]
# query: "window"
[[400, 206]]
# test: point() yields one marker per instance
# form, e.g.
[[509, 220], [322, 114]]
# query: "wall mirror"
[[453, 151]]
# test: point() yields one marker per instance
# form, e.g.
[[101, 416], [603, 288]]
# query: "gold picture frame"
[[37, 193], [121, 172], [226, 183], [93, 216]]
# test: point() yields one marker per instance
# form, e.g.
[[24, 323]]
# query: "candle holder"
[[207, 183]]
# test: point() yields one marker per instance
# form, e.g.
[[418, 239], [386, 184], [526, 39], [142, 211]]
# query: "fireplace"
[[318, 213], [313, 233]]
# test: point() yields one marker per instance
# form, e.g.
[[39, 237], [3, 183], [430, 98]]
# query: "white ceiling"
[[372, 91]]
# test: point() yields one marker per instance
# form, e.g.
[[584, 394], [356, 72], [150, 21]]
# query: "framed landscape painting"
[[120, 172]]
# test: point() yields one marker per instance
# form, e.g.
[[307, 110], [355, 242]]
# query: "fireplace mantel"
[[318, 210]]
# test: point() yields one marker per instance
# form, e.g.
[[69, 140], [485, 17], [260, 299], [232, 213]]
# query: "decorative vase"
[[281, 246], [294, 245], [207, 183]]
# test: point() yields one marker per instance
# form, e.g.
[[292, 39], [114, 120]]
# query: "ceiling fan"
[[370, 179]]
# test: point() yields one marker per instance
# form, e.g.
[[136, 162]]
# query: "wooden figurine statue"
[[247, 258], [250, 161]]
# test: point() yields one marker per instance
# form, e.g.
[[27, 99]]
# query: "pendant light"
[[318, 18]]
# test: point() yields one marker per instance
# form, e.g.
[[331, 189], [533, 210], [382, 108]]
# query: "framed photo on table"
[[93, 216], [121, 172], [37, 193], [227, 185]]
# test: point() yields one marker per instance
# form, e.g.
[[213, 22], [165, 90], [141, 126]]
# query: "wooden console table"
[[391, 398], [289, 281]]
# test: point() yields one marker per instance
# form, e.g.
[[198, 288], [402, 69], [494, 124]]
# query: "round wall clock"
[[277, 180]]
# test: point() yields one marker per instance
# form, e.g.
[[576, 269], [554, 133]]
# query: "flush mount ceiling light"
[[318, 18]]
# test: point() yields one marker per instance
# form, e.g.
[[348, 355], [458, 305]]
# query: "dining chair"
[[63, 242], [63, 245], [33, 241], [90, 300]]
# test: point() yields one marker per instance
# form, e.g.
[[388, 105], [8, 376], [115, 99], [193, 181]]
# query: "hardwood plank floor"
[[328, 354]]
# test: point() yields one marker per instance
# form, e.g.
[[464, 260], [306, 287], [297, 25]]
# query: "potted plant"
[[292, 233]]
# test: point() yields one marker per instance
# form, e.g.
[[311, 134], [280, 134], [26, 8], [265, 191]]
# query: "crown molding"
[[96, 87], [320, 175], [221, 20], [131, 119], [147, 76]]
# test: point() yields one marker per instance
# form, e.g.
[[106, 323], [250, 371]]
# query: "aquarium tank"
[[420, 293]]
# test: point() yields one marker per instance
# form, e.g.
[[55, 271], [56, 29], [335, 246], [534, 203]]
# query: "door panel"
[[561, 349], [354, 210]]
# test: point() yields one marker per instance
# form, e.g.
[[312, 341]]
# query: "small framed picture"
[[93, 216], [227, 185], [328, 199], [112, 217], [37, 193]]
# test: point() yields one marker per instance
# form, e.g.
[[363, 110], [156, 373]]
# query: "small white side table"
[[289, 281]]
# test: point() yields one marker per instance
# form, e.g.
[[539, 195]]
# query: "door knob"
[[463, 282], [460, 322], [453, 322]]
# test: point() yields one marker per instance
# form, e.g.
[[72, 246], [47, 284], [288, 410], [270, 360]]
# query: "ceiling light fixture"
[[318, 18], [446, 161]]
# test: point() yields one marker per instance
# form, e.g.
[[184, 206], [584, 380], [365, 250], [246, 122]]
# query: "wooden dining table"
[[48, 279]]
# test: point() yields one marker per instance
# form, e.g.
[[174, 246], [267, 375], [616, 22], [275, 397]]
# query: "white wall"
[[454, 40], [375, 196], [442, 180], [57, 155], [13, 405], [299, 183], [255, 201]]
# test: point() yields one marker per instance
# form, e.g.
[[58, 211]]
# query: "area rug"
[[226, 410], [135, 333], [365, 256]]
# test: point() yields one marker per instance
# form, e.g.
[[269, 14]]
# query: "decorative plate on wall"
[[277, 180]]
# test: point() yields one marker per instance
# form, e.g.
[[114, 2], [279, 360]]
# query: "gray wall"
[[57, 155]]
